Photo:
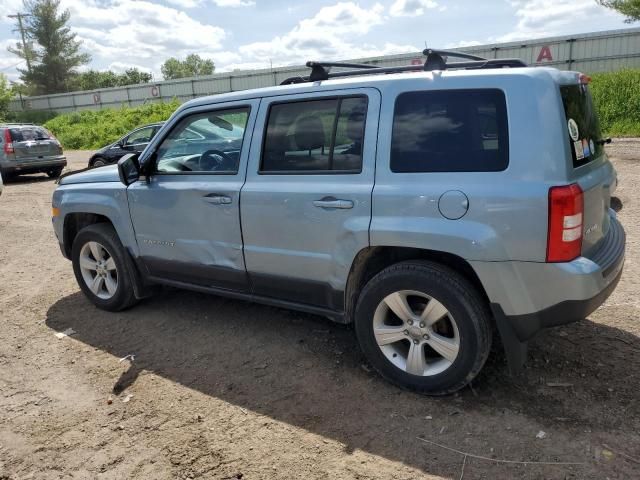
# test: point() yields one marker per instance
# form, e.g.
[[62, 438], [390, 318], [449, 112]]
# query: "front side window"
[[450, 131], [324, 135], [207, 142], [140, 136]]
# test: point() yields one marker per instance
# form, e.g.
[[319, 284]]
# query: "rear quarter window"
[[450, 131]]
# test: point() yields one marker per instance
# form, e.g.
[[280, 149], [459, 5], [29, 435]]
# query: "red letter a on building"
[[545, 54]]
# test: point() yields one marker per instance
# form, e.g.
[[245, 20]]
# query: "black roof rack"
[[435, 61]]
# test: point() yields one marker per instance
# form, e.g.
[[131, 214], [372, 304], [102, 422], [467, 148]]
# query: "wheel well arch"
[[74, 222], [372, 260]]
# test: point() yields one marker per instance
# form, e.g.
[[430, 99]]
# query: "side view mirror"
[[129, 168]]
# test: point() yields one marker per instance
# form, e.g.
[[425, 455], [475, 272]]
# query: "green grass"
[[91, 129], [617, 99], [616, 96]]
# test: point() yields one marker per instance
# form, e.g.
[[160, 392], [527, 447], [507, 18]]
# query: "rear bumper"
[[30, 166], [526, 326], [531, 296]]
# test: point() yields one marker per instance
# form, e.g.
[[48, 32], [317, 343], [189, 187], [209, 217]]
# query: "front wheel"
[[423, 327], [98, 162], [100, 267], [55, 172]]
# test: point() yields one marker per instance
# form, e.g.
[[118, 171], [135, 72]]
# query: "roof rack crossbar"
[[435, 61], [451, 53], [320, 70]]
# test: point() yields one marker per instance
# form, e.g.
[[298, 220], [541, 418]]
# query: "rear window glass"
[[25, 134], [583, 128], [450, 131]]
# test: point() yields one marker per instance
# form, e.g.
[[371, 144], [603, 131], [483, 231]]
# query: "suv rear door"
[[589, 165], [33, 143], [306, 204]]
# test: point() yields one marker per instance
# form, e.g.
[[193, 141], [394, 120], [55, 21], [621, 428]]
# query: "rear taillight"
[[8, 142], [564, 241]]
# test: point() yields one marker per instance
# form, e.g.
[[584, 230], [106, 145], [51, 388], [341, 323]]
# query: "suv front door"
[[186, 215], [306, 204]]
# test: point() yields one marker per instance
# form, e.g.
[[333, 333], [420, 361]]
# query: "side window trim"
[[312, 98], [157, 141]]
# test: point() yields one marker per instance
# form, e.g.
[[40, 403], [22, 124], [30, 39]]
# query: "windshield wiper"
[[603, 141]]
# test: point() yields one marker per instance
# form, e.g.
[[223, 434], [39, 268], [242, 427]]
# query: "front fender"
[[107, 199]]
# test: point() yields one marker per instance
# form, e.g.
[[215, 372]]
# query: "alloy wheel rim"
[[99, 270], [416, 333]]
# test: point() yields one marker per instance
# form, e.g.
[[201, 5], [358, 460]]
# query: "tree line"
[[54, 61]]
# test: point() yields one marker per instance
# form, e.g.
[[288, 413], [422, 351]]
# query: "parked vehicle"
[[423, 204], [1, 184], [28, 148], [134, 141]]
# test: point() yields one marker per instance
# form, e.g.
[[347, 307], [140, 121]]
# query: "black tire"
[[98, 162], [105, 235], [7, 177], [55, 172], [457, 295]]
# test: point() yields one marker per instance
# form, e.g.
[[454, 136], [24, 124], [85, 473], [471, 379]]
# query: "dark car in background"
[[28, 148], [134, 141]]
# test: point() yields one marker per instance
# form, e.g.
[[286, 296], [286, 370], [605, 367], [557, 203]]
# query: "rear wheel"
[[101, 269], [54, 172], [423, 327], [7, 177]]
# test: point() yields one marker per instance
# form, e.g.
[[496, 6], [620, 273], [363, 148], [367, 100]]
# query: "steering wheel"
[[214, 160]]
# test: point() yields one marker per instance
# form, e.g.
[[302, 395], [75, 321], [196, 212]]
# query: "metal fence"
[[590, 52]]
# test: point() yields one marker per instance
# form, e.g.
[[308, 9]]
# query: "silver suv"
[[28, 148], [425, 205]]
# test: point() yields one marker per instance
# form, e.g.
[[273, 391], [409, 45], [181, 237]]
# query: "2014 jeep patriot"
[[424, 206]]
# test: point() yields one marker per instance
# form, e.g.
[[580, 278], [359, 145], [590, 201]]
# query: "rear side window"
[[583, 128], [450, 131], [324, 135]]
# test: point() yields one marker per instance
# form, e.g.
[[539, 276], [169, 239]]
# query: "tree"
[[92, 79], [6, 94], [52, 49], [628, 8], [192, 66], [133, 76]]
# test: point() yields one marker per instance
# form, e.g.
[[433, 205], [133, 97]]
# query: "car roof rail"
[[435, 61]]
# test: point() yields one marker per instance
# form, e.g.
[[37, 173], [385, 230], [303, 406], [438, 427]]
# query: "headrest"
[[309, 133]]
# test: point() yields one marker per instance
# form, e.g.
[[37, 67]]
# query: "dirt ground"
[[224, 389]]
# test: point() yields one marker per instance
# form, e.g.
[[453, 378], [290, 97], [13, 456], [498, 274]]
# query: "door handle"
[[330, 202], [216, 199]]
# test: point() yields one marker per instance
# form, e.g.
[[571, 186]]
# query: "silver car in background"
[[28, 148]]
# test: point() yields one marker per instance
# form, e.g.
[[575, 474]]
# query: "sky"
[[248, 34]]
